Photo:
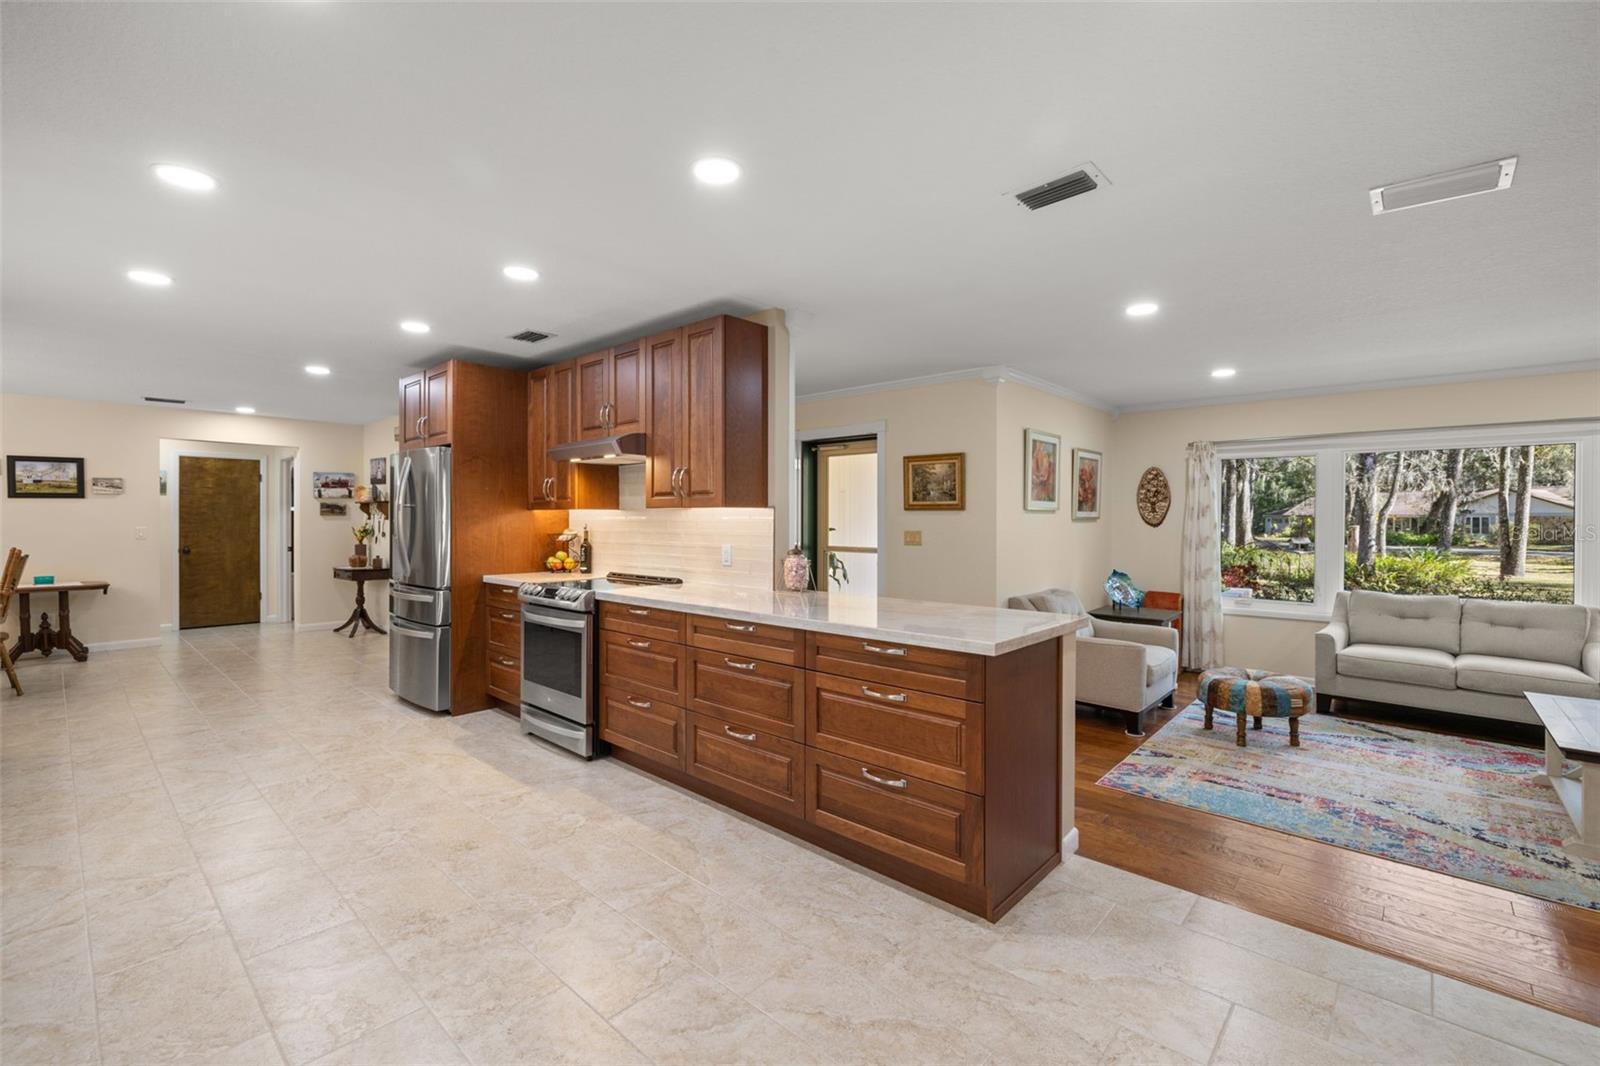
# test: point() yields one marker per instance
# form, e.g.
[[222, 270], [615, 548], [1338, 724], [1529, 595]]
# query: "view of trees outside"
[[1493, 523]]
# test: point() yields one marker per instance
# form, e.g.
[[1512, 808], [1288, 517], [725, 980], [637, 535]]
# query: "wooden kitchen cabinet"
[[412, 407], [768, 768], [611, 392], [426, 407], [707, 415], [553, 399]]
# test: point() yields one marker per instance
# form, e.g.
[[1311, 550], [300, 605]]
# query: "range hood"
[[623, 449]]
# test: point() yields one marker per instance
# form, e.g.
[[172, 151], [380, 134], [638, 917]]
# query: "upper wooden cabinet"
[[611, 392], [426, 407], [552, 416], [707, 415]]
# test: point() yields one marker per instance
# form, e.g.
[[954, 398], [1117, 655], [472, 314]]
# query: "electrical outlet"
[[141, 532], [914, 538], [727, 555]]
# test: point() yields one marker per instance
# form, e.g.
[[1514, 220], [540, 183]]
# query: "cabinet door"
[[630, 388], [560, 408], [593, 394], [663, 356], [412, 408], [764, 767], [436, 400], [643, 725], [539, 490], [701, 440]]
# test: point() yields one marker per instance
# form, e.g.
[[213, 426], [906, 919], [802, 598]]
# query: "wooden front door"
[[219, 542]]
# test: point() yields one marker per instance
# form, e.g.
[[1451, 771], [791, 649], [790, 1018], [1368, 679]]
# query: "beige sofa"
[[1449, 654], [1121, 666]]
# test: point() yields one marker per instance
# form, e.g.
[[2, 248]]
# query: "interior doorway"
[[841, 509], [219, 541], [286, 499]]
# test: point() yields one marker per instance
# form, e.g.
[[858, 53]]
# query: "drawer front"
[[927, 825], [501, 597], [943, 673], [748, 640], [765, 767], [650, 622], [505, 636], [646, 665], [932, 737], [748, 692], [645, 726], [504, 682]]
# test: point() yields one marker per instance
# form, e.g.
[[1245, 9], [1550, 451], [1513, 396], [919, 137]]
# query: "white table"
[[1572, 733]]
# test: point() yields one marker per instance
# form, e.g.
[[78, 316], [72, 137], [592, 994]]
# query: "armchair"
[[1121, 666]]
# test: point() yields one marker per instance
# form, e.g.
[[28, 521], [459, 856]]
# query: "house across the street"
[[1550, 515]]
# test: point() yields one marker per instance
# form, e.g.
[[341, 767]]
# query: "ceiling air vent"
[[162, 399], [531, 336], [1085, 179], [1492, 176]]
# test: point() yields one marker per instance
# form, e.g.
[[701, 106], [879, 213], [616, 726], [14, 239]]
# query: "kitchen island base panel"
[[975, 899]]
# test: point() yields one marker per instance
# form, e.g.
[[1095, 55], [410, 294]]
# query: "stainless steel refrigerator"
[[419, 593]]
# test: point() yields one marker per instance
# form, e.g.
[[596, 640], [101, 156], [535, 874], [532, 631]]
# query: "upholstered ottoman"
[[1255, 694]]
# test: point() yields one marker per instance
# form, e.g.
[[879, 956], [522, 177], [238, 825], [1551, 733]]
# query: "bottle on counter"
[[585, 554]]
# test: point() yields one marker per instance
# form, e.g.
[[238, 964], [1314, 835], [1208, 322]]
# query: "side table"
[[47, 639], [360, 575]]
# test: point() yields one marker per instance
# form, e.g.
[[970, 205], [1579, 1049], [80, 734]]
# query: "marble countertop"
[[919, 623]]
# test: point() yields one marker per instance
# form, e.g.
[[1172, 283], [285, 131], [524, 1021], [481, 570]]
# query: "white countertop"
[[920, 623]]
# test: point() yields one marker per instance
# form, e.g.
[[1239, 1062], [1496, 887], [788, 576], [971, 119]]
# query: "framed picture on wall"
[[379, 469], [44, 477], [1085, 484], [332, 485], [936, 482], [1041, 471]]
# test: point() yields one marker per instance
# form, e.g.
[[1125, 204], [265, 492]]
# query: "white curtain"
[[1202, 563]]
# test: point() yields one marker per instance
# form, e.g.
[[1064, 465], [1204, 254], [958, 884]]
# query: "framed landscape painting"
[[44, 477], [936, 482], [1041, 458], [1086, 483]]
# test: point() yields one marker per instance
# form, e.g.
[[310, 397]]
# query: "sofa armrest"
[[1331, 640], [1110, 672], [1159, 636], [1590, 660]]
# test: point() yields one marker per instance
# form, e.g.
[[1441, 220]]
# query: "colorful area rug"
[[1469, 808]]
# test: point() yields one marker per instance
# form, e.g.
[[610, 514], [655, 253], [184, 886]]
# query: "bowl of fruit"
[[560, 562]]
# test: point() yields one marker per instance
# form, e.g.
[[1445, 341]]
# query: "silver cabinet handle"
[[736, 735], [892, 697], [737, 665], [876, 649], [737, 628], [886, 782], [677, 472], [508, 616], [643, 705], [417, 425], [503, 661], [549, 488], [424, 421], [638, 643], [639, 610]]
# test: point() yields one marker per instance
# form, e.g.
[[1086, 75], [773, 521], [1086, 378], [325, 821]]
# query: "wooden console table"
[[48, 638], [1139, 616], [1572, 732], [360, 575]]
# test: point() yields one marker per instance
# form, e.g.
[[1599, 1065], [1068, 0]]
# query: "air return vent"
[[162, 399], [531, 336], [1085, 179]]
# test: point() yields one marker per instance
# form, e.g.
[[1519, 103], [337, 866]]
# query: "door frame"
[[260, 460], [288, 483], [878, 431]]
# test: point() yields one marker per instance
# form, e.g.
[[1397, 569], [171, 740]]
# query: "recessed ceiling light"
[[1142, 309], [318, 371], [244, 410], [185, 177], [411, 325], [1224, 372], [153, 278], [520, 273], [716, 171]]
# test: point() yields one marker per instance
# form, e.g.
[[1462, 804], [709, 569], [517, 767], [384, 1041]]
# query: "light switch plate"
[[727, 555], [914, 537], [141, 532]]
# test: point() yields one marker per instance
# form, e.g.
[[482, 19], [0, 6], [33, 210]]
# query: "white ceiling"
[[383, 161]]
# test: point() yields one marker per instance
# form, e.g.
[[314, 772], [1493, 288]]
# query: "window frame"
[[1330, 451]]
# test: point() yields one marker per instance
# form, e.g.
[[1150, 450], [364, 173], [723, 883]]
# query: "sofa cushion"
[[1405, 621], [1547, 632], [1513, 677], [1159, 663], [1407, 666]]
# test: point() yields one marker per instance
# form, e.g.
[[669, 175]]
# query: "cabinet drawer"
[[932, 737], [944, 673], [643, 725], [502, 597], [748, 640], [647, 665], [505, 682], [762, 766], [927, 825], [506, 636], [650, 622], [748, 692]]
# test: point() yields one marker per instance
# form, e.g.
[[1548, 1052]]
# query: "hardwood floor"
[[1542, 952]]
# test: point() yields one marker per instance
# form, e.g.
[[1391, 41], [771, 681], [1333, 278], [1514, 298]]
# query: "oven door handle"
[[577, 625]]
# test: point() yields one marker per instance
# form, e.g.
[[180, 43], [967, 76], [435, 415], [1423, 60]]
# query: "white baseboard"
[[1069, 843], [305, 627], [123, 645], [167, 627], [272, 619]]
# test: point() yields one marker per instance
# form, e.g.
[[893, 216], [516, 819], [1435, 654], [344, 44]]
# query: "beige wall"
[[95, 537], [1158, 438]]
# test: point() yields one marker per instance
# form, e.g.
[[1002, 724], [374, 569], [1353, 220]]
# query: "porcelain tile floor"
[[238, 847]]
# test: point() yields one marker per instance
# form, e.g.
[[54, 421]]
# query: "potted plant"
[[363, 534]]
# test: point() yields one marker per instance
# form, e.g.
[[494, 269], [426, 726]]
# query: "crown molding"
[[994, 375]]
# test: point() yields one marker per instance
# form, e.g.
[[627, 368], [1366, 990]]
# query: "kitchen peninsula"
[[923, 740]]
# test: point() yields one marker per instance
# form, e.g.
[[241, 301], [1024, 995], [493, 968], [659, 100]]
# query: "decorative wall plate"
[[1154, 496]]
